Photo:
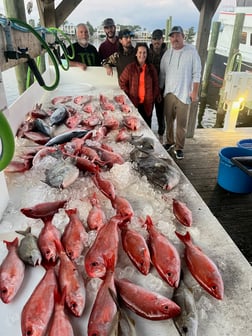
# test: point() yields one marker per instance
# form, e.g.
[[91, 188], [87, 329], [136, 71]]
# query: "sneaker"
[[168, 147], [179, 154]]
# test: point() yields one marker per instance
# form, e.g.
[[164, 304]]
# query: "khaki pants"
[[174, 109]]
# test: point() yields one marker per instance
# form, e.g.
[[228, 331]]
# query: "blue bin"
[[230, 177], [245, 143]]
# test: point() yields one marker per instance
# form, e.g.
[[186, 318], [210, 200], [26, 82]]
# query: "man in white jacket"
[[180, 74]]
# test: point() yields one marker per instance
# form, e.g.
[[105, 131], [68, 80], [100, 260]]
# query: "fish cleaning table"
[[228, 317]]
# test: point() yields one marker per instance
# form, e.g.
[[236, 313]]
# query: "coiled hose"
[[46, 47], [7, 142]]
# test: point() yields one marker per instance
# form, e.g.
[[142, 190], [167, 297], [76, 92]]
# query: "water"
[[10, 85]]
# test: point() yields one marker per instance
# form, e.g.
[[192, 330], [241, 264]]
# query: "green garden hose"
[[7, 142], [46, 47], [57, 30]]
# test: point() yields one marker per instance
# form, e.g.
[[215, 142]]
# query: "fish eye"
[[169, 274], [166, 307], [29, 332], [73, 305], [94, 263], [214, 287]]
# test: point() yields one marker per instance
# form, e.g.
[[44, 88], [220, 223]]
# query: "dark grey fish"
[[187, 322], [58, 116], [126, 326], [41, 126], [158, 171], [28, 249], [143, 143], [65, 137], [62, 174]]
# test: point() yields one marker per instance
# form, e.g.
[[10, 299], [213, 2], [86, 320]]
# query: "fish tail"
[[186, 239], [59, 246], [24, 233], [11, 244], [148, 222], [71, 211]]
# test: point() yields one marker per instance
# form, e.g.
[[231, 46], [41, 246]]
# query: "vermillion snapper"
[[12, 272], [202, 268]]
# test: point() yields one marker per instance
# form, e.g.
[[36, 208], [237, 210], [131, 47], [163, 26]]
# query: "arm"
[[80, 65], [124, 80], [194, 93], [196, 76], [109, 62]]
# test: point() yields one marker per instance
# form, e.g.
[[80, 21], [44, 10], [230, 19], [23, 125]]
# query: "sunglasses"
[[109, 27], [156, 38]]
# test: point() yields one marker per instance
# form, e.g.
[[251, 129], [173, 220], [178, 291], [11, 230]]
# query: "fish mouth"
[[4, 294]]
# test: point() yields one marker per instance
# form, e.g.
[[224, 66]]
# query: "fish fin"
[[186, 239], [12, 243], [25, 232]]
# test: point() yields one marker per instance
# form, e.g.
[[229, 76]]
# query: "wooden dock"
[[200, 165]]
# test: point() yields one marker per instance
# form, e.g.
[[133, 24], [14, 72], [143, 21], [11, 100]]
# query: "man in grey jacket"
[[180, 74]]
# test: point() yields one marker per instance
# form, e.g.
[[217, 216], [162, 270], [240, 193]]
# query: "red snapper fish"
[[182, 212], [46, 239], [82, 100], [16, 166], [125, 108], [103, 249], [131, 122], [61, 99], [60, 324], [104, 308], [120, 99], [146, 303], [43, 209], [123, 135], [12, 272], [104, 185], [96, 216], [136, 248], [164, 255], [71, 281], [122, 207], [38, 310], [74, 236], [202, 268]]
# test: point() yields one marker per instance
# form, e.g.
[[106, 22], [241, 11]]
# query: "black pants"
[[146, 118], [159, 107]]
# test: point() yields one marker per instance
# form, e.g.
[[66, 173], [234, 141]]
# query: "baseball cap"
[[157, 34], [108, 22], [125, 33], [176, 29]]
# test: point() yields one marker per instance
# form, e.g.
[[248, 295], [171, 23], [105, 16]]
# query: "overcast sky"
[[148, 14]]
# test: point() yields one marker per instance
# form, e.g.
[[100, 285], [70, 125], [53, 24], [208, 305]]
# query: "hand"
[[159, 98], [109, 70], [194, 97], [83, 66]]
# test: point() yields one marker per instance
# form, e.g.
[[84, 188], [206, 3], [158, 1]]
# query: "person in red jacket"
[[139, 80]]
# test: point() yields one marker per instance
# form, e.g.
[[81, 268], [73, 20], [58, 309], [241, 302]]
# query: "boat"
[[243, 60]]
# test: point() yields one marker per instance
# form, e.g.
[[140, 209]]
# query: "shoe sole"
[[178, 157]]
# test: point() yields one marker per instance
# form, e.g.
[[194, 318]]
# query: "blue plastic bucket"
[[245, 143], [230, 177]]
